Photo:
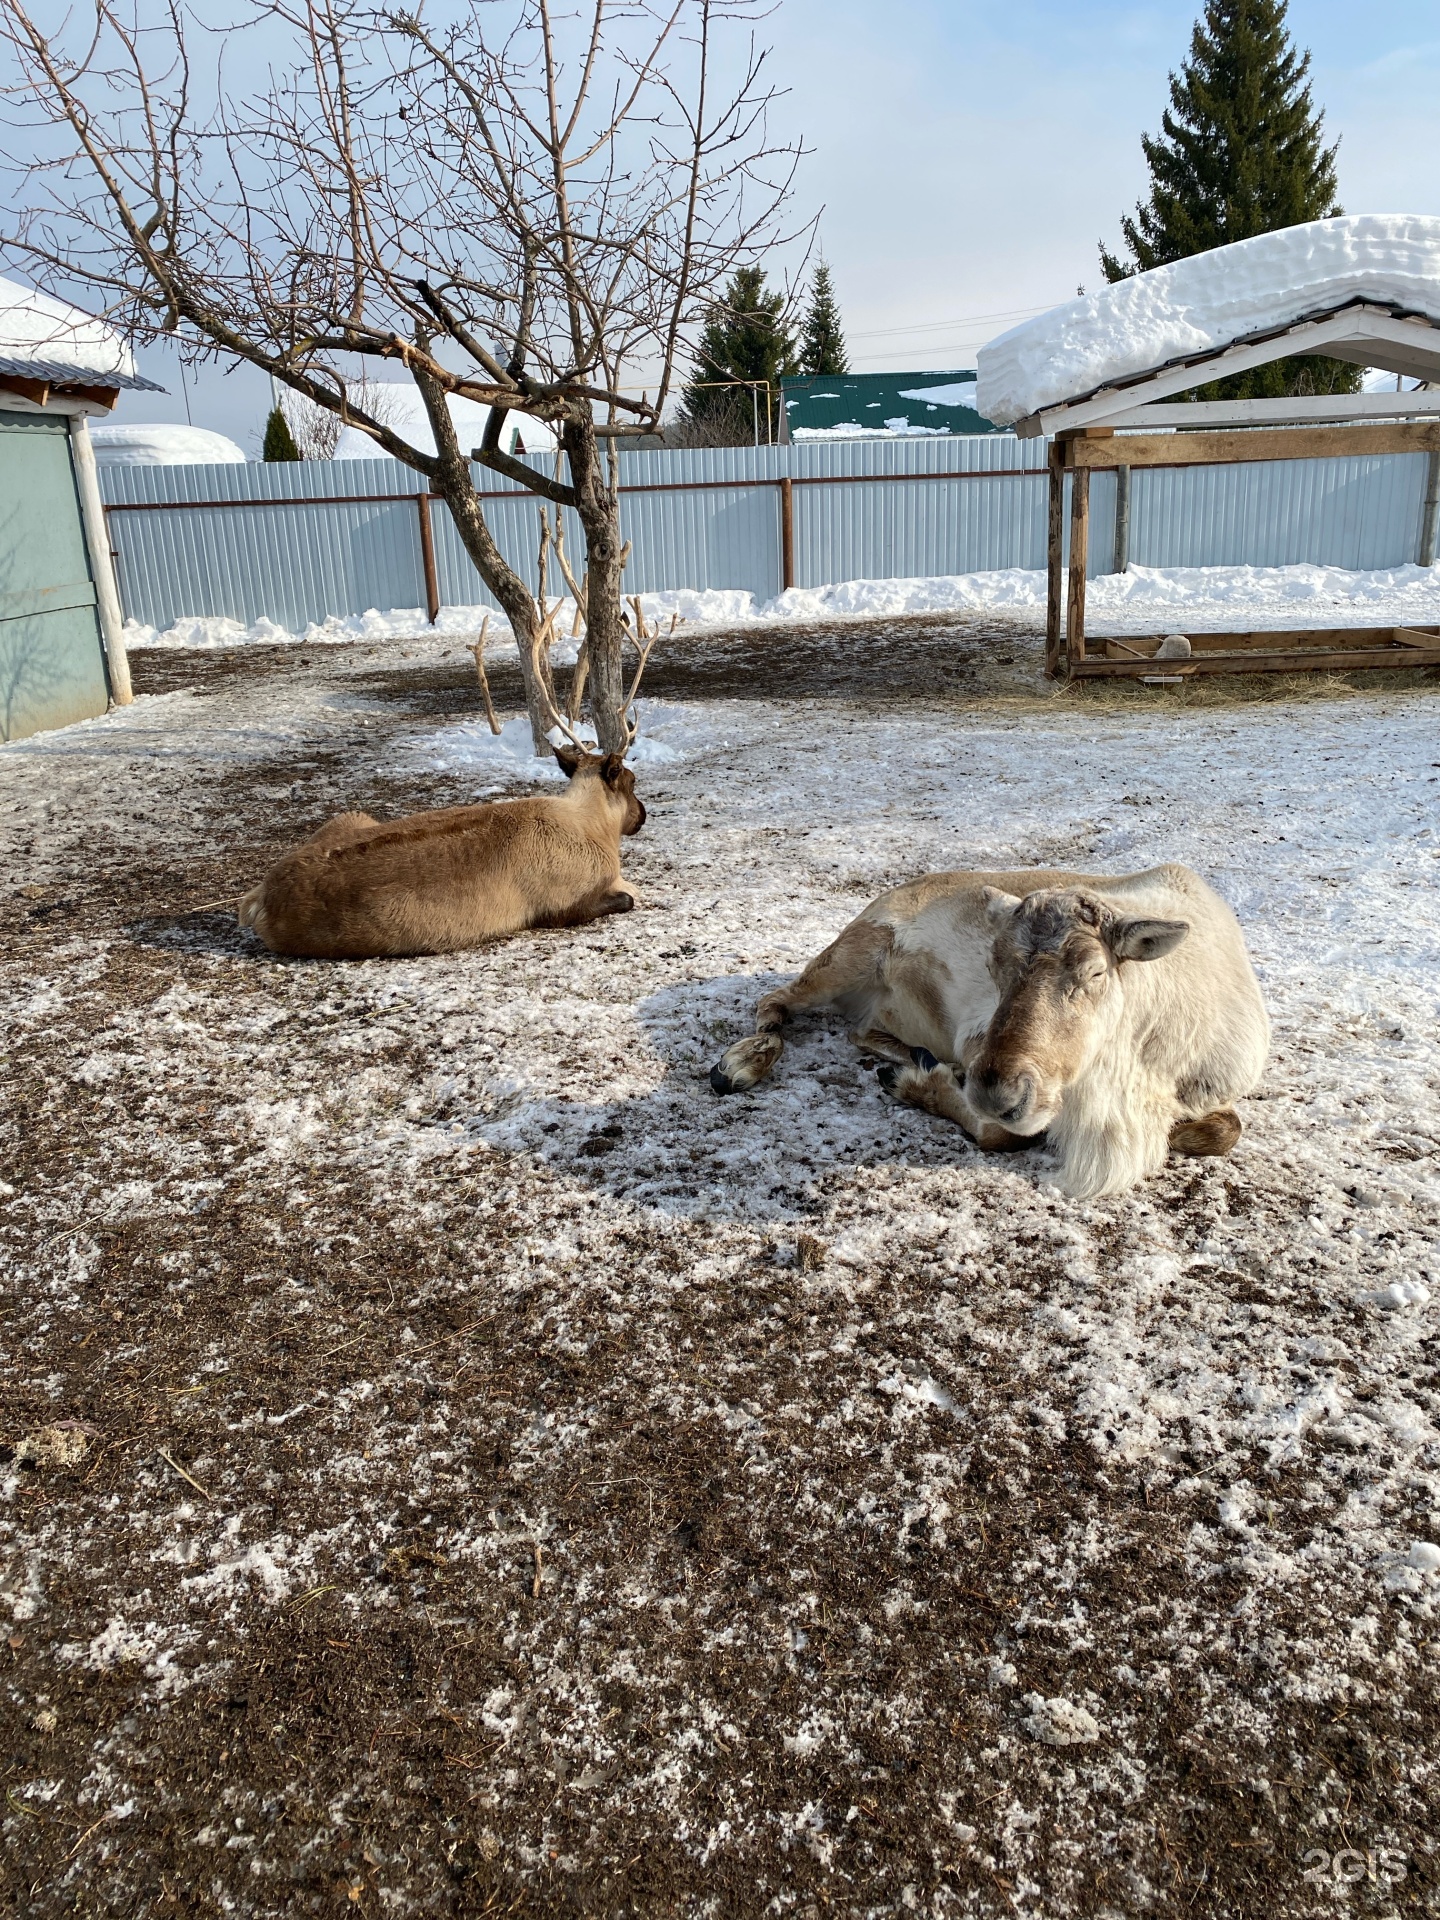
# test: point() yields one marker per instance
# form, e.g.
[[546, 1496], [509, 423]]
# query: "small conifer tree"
[[822, 344], [279, 441], [745, 339], [1241, 153]]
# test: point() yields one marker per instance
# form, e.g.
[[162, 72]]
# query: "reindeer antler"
[[477, 647], [643, 643]]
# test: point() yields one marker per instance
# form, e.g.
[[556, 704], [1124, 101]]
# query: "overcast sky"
[[970, 156]]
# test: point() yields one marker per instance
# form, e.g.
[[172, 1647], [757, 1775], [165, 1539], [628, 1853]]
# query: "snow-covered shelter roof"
[[120, 443], [1364, 288], [44, 339]]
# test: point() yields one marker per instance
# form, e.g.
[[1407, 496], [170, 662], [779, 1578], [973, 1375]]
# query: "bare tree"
[[316, 430], [525, 208]]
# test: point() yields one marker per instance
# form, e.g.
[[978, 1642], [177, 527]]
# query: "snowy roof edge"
[[1123, 382], [1198, 308], [58, 374]]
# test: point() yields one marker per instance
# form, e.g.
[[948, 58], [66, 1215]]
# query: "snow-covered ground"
[[1143, 600], [774, 1490]]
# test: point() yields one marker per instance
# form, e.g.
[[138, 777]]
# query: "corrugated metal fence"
[[294, 542]]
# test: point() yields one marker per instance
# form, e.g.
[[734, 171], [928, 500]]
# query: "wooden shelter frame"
[[1122, 427]]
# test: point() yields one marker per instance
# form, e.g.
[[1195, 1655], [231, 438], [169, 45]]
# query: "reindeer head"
[[1059, 958], [614, 776]]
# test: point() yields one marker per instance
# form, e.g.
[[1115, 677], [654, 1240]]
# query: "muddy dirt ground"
[[399, 1521]]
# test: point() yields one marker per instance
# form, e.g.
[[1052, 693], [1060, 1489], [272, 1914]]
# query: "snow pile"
[[1208, 302], [397, 404], [33, 327], [1144, 600], [119, 443]]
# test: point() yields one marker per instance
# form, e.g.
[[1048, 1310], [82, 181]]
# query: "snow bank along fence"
[[296, 542]]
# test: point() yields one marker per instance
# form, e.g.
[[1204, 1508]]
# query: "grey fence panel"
[[711, 537], [711, 517], [1340, 513], [291, 564]]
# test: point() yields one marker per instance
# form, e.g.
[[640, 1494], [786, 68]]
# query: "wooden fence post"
[[427, 559], [1430, 517], [1054, 560], [1122, 519], [1079, 554], [787, 534]]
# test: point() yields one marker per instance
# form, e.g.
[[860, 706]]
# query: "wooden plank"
[[1303, 660], [1054, 563], [1079, 555], [1242, 444], [1295, 410], [1331, 639]]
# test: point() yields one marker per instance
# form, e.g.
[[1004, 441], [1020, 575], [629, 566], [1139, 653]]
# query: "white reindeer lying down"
[[1119, 1015]]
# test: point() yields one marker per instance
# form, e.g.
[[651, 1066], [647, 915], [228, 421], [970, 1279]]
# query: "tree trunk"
[[598, 506], [455, 486]]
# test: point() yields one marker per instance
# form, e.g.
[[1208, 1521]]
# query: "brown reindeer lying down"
[[1116, 1013], [436, 882]]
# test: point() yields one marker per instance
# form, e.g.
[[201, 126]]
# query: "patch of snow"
[[1144, 600], [120, 443], [1207, 302], [958, 393], [1398, 1294], [1059, 1722], [667, 733]]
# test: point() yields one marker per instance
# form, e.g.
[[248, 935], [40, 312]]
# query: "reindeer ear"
[[568, 761], [611, 768], [1145, 939], [999, 905]]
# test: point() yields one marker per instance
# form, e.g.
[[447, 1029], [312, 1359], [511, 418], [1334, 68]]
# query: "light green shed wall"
[[52, 660]]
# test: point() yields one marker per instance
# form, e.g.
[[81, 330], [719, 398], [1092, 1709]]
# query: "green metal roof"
[[938, 402]]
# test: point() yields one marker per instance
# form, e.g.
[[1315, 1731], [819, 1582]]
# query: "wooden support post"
[[787, 534], [102, 566], [1122, 519], [1079, 554], [1430, 517], [1055, 561], [427, 559]]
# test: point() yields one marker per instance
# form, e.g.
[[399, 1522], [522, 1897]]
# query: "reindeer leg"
[[594, 905], [1212, 1134], [931, 1085], [849, 965]]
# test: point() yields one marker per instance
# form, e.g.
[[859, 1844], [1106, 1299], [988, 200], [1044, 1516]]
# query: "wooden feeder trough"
[[1123, 427]]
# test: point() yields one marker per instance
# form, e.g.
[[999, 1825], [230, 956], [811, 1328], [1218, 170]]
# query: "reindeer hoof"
[[888, 1075], [924, 1059], [1213, 1135], [746, 1063]]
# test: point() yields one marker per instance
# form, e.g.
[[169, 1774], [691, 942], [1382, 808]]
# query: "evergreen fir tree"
[[1241, 153], [745, 338], [279, 440], [822, 344]]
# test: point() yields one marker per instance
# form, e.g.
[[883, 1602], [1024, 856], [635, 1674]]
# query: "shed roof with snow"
[[1364, 288], [45, 343]]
